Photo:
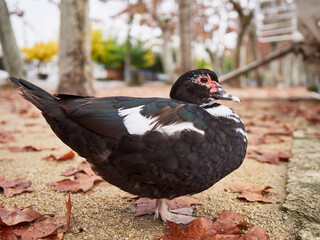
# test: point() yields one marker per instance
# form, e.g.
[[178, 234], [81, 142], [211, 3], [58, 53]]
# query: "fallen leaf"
[[30, 124], [82, 182], [256, 233], [29, 148], [280, 133], [15, 186], [271, 156], [40, 229], [28, 224], [224, 228], [6, 136], [84, 166], [226, 224], [147, 206], [66, 156], [268, 139], [15, 215], [23, 111], [197, 229], [34, 115], [314, 135], [248, 192], [7, 233]]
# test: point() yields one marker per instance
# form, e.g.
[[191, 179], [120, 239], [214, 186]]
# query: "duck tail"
[[37, 96]]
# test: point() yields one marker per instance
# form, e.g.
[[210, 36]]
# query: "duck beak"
[[218, 92]]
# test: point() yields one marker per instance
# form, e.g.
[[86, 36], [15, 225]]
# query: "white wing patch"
[[139, 124], [134, 121], [245, 136], [223, 111]]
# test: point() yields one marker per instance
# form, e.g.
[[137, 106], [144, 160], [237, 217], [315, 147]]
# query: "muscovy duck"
[[152, 147]]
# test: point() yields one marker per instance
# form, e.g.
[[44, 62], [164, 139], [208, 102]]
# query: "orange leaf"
[[256, 233], [15, 215], [248, 192], [15, 186], [66, 156], [82, 182], [197, 229]]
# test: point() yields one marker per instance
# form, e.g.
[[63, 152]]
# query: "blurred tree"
[[254, 53], [141, 57], [41, 51], [200, 63], [155, 14], [211, 24], [185, 62], [245, 15], [75, 65], [13, 62]]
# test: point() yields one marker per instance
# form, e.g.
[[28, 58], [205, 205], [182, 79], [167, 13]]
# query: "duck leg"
[[179, 216]]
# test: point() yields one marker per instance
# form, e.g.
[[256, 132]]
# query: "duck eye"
[[203, 80]]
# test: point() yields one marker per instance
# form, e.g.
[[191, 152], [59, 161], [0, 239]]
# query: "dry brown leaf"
[[83, 167], [7, 233], [248, 192], [66, 156], [29, 148], [82, 182], [197, 229], [313, 135], [40, 229], [6, 136], [15, 186], [256, 233], [15, 215], [265, 140], [28, 224], [224, 228], [272, 156], [147, 206]]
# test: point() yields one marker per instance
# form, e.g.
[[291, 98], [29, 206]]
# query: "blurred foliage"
[[157, 66], [111, 54], [41, 51], [201, 63], [228, 63]]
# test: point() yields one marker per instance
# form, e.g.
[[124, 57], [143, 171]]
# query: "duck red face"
[[216, 91]]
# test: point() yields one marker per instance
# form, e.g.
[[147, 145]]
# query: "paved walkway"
[[302, 202]]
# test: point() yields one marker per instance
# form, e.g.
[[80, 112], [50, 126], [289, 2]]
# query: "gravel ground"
[[104, 212]]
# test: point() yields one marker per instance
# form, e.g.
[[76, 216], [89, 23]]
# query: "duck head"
[[201, 87]]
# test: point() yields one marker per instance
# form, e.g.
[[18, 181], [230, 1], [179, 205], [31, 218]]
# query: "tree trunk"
[[274, 68], [12, 58], [185, 34], [75, 65], [255, 55], [244, 23], [127, 59], [167, 56]]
